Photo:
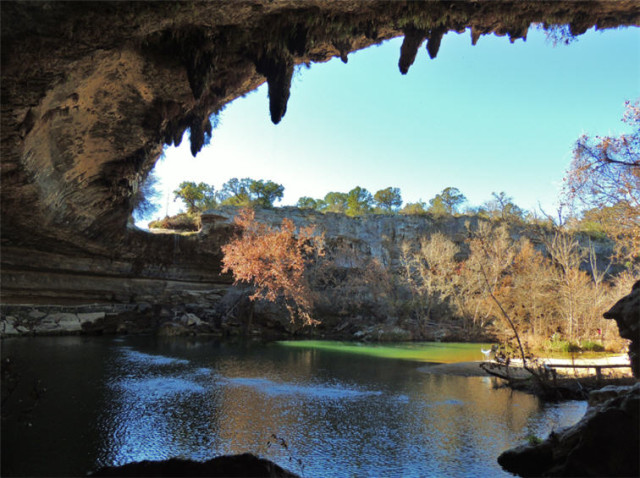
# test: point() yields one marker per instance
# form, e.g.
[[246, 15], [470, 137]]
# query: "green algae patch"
[[432, 352]]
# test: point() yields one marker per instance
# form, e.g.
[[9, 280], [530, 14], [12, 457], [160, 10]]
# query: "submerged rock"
[[228, 466]]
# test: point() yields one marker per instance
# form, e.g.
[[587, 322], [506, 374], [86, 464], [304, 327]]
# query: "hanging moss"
[[343, 46], [194, 48], [297, 43]]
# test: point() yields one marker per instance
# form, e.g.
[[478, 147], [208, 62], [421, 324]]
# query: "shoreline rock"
[[606, 442]]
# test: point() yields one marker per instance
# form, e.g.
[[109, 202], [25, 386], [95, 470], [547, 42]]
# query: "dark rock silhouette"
[[245, 465], [626, 313], [278, 71], [435, 38], [606, 442], [413, 38]]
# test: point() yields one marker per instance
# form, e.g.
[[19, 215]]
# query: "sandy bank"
[[472, 369]]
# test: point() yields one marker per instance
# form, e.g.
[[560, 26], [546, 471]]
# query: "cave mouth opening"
[[503, 104], [92, 97]]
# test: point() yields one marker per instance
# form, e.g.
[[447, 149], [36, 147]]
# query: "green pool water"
[[434, 352]]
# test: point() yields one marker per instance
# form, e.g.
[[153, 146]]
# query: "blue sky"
[[491, 117]]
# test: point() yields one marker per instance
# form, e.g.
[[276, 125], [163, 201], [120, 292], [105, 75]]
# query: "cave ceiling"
[[93, 91]]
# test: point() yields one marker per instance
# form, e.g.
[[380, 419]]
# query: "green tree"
[[306, 202], [250, 192], [414, 208], [235, 192], [447, 202], [388, 199], [197, 197], [335, 202], [502, 206], [359, 202], [264, 193]]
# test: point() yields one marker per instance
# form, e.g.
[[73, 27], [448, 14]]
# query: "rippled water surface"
[[82, 403]]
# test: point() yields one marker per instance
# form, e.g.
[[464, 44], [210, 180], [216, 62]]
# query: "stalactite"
[[278, 70], [475, 35], [343, 46], [433, 43], [413, 38], [196, 135], [297, 41]]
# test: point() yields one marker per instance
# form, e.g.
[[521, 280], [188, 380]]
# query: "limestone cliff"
[[162, 276]]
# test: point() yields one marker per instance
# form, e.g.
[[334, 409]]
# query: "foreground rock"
[[606, 442], [626, 313], [244, 465]]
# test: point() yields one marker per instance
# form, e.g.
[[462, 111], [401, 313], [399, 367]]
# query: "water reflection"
[[340, 415]]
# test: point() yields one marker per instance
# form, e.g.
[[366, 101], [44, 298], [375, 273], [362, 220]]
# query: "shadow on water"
[[112, 401]]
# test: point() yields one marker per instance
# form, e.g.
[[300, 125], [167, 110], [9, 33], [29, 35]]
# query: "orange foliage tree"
[[604, 178], [274, 261]]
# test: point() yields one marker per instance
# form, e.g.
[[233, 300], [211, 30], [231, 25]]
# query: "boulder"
[[8, 327], [191, 320], [626, 313], [89, 318], [606, 442], [60, 322]]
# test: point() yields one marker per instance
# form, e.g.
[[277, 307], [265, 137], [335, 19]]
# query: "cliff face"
[[375, 236], [160, 277], [168, 275]]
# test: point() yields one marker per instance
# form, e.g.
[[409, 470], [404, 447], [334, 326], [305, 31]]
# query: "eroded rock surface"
[[173, 284]]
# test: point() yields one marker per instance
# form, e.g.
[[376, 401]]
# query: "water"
[[336, 409]]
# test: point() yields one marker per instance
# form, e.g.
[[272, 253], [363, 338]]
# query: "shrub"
[[533, 439], [564, 346], [590, 346], [179, 222]]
